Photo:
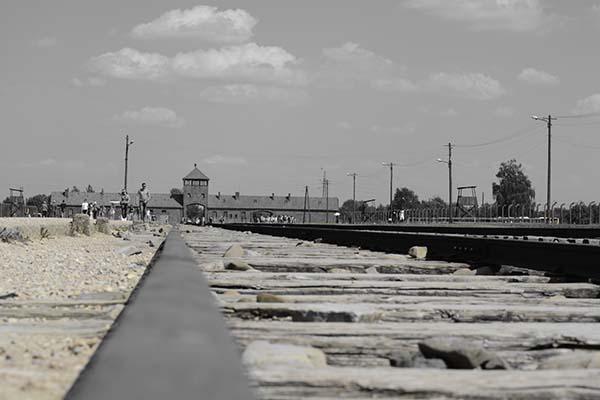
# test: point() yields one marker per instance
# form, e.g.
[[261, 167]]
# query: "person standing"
[[124, 204], [63, 207], [143, 199], [85, 206]]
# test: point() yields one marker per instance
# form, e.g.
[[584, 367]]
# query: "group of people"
[[95, 211], [276, 219]]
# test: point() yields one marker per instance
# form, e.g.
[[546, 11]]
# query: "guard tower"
[[195, 195], [466, 202]]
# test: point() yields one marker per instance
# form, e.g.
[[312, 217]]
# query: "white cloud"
[[537, 77], [505, 112], [394, 84], [225, 160], [129, 63], [358, 57], [249, 62], [450, 112], [511, 15], [204, 22], [249, 93], [91, 81], [344, 125], [589, 105], [350, 64], [405, 129], [472, 86], [47, 41], [151, 116]]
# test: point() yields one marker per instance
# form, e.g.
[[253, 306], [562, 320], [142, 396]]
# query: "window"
[[203, 195], [203, 183]]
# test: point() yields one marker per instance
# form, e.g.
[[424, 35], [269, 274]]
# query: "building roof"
[[270, 202], [196, 174], [157, 200], [215, 202]]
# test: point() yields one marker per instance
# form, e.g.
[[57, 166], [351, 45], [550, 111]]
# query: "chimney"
[[237, 195], [272, 196], [219, 195], [288, 196]]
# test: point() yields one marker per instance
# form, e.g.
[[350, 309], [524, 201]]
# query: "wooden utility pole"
[[127, 144], [548, 121], [305, 205], [450, 181], [391, 165], [326, 195], [353, 175]]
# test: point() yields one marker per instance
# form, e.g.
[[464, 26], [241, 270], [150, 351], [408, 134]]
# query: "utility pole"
[[326, 195], [449, 162], [353, 175], [127, 144], [391, 165], [548, 121], [305, 204], [450, 180]]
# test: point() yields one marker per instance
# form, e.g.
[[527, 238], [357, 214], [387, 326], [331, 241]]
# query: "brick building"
[[195, 202]]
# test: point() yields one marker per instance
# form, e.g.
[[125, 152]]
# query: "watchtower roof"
[[196, 174]]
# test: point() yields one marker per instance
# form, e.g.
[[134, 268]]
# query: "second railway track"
[[578, 258]]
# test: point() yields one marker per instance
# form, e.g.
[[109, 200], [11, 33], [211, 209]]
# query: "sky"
[[267, 95]]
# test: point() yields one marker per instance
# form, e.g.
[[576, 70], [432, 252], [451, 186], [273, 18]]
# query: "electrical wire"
[[520, 133], [584, 115], [563, 139]]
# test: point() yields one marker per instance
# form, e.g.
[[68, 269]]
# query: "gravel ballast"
[[58, 297]]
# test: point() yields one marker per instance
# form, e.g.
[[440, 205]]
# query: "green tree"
[[37, 200], [434, 202], [75, 189], [513, 185], [90, 189], [405, 198], [176, 192]]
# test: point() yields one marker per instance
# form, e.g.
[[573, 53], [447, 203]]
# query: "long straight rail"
[[169, 342], [559, 231], [574, 259]]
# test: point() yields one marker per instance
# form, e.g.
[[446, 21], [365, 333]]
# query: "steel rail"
[[572, 258], [170, 340], [569, 231]]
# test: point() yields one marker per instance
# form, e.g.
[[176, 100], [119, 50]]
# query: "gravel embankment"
[[58, 297]]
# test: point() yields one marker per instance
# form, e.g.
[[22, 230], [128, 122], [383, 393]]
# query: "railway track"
[[579, 258], [312, 319]]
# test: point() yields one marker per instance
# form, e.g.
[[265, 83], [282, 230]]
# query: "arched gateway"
[[195, 194]]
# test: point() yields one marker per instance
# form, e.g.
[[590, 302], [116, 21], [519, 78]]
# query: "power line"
[[583, 115], [522, 132]]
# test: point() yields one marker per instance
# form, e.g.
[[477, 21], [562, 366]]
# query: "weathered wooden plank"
[[575, 290], [324, 277], [363, 383], [230, 296], [335, 312]]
